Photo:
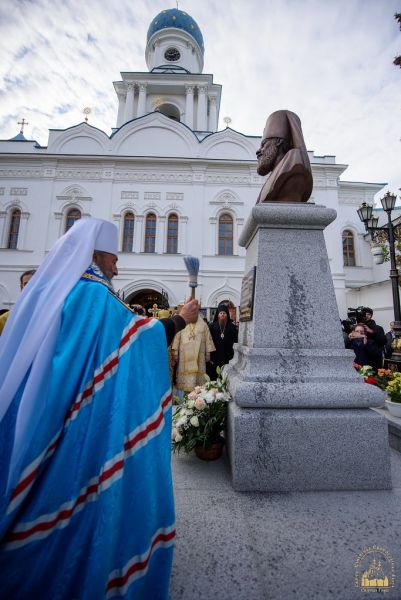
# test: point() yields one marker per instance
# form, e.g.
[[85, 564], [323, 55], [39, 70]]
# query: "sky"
[[330, 61]]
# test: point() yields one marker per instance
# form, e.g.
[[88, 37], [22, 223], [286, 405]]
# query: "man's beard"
[[267, 161]]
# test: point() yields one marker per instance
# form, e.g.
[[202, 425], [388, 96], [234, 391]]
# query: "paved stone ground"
[[296, 546]]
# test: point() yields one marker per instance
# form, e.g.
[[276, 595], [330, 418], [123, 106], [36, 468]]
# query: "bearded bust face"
[[270, 153]]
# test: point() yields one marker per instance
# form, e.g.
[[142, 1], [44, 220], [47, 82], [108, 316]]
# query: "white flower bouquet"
[[201, 418]]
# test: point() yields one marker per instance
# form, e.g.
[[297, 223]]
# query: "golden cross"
[[176, 1], [154, 311], [22, 123]]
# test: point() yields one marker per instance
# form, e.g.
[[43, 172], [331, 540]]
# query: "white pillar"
[[213, 239], [202, 106], [23, 226], [138, 234], [122, 98], [212, 113], [182, 235], [129, 106], [3, 233], [189, 106], [142, 100]]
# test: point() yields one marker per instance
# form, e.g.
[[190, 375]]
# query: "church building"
[[172, 182]]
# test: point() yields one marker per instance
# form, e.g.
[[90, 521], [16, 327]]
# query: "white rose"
[[194, 421], [178, 437], [191, 403], [181, 421], [210, 397]]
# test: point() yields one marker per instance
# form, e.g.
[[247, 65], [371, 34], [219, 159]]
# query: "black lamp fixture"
[[388, 202], [365, 212]]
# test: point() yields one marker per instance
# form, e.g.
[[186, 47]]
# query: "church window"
[[73, 215], [172, 234], [226, 235], [128, 232], [150, 233], [348, 248], [172, 54], [14, 229]]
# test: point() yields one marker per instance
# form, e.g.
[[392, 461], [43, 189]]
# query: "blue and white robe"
[[92, 514]]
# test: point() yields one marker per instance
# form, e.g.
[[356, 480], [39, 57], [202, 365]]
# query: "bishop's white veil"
[[29, 337]]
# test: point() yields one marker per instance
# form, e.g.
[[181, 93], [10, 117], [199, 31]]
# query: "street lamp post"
[[365, 213]]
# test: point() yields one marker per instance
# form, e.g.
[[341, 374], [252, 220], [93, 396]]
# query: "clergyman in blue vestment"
[[86, 497]]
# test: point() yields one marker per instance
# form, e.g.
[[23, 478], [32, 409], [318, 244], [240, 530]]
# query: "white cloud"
[[331, 62]]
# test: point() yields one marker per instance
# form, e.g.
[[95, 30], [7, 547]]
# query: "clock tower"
[[175, 85]]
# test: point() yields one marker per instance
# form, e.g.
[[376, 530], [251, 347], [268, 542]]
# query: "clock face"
[[172, 54]]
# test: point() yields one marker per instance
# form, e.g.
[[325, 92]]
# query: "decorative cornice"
[[78, 174], [174, 196], [227, 178], [152, 196], [74, 198], [155, 176], [226, 199], [129, 195]]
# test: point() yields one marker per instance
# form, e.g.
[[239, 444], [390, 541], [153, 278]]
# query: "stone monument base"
[[301, 416], [285, 450]]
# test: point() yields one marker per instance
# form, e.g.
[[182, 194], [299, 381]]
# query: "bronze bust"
[[283, 154]]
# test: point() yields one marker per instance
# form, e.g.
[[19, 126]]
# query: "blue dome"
[[173, 17]]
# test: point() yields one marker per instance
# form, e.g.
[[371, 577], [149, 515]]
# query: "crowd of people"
[[199, 349], [367, 339]]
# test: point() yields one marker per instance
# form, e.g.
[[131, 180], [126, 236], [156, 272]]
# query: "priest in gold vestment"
[[191, 349]]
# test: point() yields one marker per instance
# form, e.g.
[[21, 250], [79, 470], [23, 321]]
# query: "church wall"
[[198, 191]]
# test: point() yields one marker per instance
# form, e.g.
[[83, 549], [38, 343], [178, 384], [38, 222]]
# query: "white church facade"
[[173, 184]]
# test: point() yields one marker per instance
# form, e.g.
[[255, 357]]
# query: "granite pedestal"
[[300, 417]]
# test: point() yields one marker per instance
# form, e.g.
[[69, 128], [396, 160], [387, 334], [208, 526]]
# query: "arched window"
[[14, 229], [172, 234], [128, 232], [73, 215], [150, 233], [225, 235], [348, 248]]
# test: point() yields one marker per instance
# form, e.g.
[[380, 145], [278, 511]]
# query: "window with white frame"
[[150, 233], [172, 234], [128, 232], [226, 235], [13, 230], [348, 248], [73, 215]]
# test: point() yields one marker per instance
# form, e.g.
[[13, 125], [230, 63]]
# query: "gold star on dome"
[[174, 17]]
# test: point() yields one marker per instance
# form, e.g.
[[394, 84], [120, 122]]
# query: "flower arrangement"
[[394, 388], [201, 418], [381, 378]]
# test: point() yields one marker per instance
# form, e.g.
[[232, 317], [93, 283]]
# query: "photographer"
[[367, 351], [374, 332]]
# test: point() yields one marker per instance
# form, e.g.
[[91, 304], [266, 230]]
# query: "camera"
[[355, 314]]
